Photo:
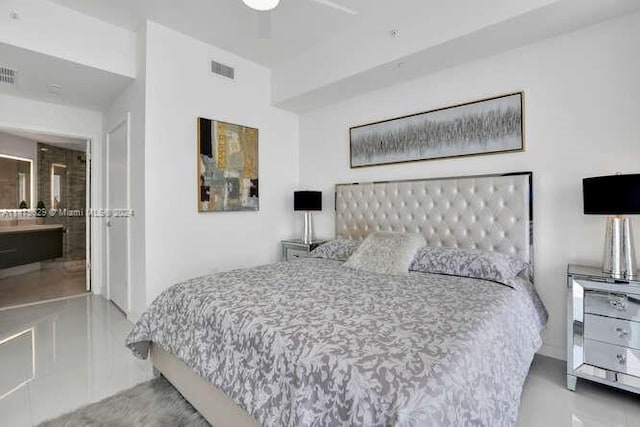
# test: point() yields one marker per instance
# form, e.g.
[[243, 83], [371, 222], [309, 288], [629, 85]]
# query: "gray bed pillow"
[[339, 250], [494, 266], [386, 253]]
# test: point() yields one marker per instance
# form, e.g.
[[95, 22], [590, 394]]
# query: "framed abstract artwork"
[[492, 125], [227, 167]]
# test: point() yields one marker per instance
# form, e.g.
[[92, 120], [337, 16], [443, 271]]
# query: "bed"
[[311, 342]]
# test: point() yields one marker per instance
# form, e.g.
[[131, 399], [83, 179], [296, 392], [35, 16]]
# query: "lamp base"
[[619, 252], [308, 228]]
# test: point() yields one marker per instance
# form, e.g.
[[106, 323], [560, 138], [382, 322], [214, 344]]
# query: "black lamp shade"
[[612, 195], [307, 200]]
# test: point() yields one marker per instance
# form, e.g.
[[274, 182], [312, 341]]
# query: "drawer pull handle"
[[621, 332], [618, 305], [9, 251], [621, 359]]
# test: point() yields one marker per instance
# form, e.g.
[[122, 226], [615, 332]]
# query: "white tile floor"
[[68, 353], [63, 355], [547, 402]]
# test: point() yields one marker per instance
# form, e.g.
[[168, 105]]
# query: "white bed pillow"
[[386, 252]]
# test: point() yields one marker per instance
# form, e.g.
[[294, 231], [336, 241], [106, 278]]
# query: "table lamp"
[[615, 196], [307, 201]]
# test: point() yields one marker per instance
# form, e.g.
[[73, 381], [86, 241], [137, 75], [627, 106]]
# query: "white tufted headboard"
[[488, 212]]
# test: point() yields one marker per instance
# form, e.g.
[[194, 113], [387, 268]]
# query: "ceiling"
[[429, 44], [78, 85], [296, 25], [319, 54], [58, 141]]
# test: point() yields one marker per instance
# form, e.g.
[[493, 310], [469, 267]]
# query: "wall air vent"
[[8, 75], [222, 70]]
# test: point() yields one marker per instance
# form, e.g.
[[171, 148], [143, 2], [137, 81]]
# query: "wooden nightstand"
[[296, 248], [603, 329]]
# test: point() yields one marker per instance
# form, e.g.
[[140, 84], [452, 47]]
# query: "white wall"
[[581, 115], [55, 30], [42, 117], [180, 242], [12, 145], [132, 101]]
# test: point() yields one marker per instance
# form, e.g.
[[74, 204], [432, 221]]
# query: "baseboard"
[[553, 352]]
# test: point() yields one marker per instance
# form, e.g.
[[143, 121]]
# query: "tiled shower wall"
[[74, 195]]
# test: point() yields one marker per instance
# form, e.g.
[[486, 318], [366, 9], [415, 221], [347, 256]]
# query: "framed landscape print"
[[227, 167], [493, 125]]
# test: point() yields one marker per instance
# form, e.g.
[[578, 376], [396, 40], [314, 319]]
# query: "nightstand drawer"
[[612, 330], [608, 304], [296, 249], [612, 357], [295, 253]]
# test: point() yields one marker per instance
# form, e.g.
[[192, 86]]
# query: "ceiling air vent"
[[8, 75], [223, 70]]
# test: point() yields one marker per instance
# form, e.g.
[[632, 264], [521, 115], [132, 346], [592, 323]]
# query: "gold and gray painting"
[[227, 167]]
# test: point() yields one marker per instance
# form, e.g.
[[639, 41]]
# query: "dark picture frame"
[[487, 126]]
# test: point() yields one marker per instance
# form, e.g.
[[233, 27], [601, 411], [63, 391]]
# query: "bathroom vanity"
[[26, 244]]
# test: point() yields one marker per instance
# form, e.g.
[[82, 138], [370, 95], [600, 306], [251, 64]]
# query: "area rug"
[[155, 403]]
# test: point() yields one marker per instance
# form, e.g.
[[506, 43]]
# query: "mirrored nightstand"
[[296, 248], [603, 329]]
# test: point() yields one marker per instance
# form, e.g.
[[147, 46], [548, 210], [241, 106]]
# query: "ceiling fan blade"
[[337, 6], [263, 20]]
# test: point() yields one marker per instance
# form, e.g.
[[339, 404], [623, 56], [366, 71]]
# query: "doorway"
[[44, 228]]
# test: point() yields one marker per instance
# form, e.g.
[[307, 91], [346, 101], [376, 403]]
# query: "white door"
[[118, 226]]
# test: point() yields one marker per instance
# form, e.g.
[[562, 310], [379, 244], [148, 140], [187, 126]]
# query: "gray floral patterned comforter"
[[312, 343]]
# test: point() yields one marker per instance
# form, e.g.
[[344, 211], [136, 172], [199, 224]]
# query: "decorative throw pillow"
[[339, 249], [494, 266], [386, 253]]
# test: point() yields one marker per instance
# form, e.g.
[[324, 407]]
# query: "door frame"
[[88, 201], [94, 262], [125, 121]]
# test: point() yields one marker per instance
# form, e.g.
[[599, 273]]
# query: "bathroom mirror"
[[15, 183], [58, 184]]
